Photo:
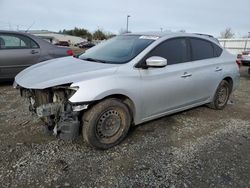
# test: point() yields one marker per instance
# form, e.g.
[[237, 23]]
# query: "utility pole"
[[128, 16]]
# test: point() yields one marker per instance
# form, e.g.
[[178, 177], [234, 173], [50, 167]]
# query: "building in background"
[[54, 37]]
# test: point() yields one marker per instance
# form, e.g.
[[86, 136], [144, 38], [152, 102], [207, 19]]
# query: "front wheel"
[[221, 96], [106, 124]]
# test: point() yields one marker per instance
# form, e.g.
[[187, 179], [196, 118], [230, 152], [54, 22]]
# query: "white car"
[[128, 80], [245, 58]]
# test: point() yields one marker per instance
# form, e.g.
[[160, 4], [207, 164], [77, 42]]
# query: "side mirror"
[[156, 61]]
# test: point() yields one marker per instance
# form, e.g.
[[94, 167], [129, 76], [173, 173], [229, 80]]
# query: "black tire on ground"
[[106, 124], [221, 96]]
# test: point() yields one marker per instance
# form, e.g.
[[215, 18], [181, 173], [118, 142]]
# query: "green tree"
[[99, 35], [79, 32]]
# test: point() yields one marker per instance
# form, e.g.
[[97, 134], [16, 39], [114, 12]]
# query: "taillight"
[[70, 52], [245, 53], [238, 62]]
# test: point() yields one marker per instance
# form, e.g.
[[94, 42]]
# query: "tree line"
[[101, 35], [84, 33]]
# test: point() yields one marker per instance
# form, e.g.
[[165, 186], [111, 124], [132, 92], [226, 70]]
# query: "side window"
[[33, 44], [174, 50], [16, 42], [201, 49], [217, 50]]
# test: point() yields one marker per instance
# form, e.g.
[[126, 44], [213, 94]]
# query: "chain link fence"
[[236, 46]]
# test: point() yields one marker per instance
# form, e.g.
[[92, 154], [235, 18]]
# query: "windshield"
[[118, 50]]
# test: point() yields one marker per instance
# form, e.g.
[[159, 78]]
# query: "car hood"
[[62, 71]]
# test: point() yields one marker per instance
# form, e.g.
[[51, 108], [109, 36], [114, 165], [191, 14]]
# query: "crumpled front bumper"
[[49, 109]]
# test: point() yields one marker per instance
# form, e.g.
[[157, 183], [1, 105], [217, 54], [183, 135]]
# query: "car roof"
[[19, 32], [150, 33], [175, 34], [13, 32]]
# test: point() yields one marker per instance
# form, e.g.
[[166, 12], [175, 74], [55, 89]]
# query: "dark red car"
[[62, 43]]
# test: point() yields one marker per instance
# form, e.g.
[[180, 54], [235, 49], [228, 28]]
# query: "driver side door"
[[168, 88]]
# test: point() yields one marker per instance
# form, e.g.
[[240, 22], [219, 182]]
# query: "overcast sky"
[[209, 16]]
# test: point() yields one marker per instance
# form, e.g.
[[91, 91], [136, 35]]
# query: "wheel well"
[[230, 81], [127, 101]]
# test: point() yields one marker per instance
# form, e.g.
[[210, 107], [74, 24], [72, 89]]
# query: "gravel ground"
[[196, 148]]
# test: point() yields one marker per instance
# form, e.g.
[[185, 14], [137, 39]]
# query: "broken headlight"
[[62, 93]]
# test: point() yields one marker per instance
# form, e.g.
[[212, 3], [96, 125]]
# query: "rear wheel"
[[106, 124], [221, 96]]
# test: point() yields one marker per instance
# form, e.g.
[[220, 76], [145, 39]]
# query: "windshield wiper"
[[94, 60]]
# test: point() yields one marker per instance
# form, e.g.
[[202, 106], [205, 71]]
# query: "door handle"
[[185, 75], [34, 52], [218, 69]]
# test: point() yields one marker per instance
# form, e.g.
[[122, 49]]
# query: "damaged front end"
[[53, 107]]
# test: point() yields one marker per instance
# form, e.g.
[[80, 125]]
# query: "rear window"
[[201, 49]]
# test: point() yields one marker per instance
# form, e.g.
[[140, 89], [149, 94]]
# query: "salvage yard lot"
[[196, 148]]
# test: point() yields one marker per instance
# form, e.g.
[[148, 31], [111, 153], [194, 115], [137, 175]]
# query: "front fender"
[[98, 89]]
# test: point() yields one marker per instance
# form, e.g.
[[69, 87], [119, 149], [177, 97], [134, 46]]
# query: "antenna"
[[30, 27]]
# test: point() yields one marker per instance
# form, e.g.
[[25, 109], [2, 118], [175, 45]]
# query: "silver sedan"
[[128, 80]]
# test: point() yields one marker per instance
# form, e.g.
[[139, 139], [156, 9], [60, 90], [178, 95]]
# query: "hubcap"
[[222, 95], [108, 124]]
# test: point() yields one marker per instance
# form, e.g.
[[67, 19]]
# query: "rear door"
[[206, 67], [16, 53]]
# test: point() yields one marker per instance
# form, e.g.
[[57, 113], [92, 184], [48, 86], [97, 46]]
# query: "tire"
[[221, 96], [106, 124]]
